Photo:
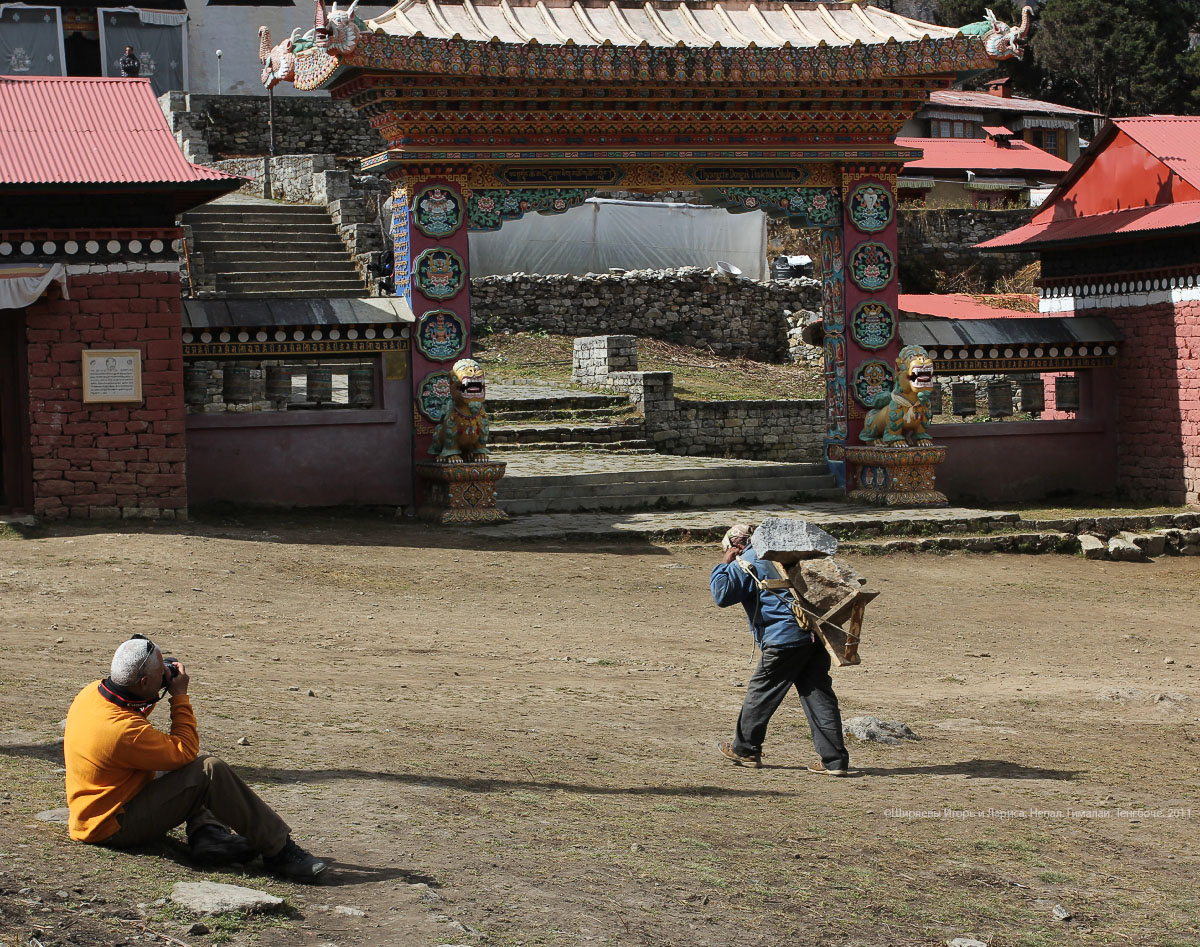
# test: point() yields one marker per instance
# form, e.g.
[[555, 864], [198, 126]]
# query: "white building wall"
[[234, 31]]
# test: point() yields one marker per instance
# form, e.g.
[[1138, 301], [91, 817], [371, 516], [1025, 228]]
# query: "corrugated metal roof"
[[1035, 330], [957, 98], [76, 130], [1097, 227], [265, 313], [961, 306], [1173, 139], [980, 154], [661, 23]]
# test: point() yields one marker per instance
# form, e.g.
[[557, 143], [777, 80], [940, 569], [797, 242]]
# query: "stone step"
[[555, 433], [265, 232], [748, 484], [300, 214], [258, 280], [688, 471], [269, 291], [497, 401], [634, 446], [248, 270], [336, 254], [559, 414], [604, 503]]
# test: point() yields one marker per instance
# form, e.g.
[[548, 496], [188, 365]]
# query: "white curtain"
[[22, 284], [634, 235], [31, 41]]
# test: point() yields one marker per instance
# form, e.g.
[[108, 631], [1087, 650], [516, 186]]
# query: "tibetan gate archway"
[[497, 108]]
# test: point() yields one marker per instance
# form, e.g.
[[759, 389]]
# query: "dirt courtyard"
[[516, 745]]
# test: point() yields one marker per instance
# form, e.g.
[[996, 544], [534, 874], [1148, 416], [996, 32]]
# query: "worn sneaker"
[[824, 771], [214, 845], [754, 762], [295, 863]]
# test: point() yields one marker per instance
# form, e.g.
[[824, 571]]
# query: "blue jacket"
[[769, 613]]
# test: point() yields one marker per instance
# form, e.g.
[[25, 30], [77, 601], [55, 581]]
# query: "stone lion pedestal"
[[894, 476], [460, 494]]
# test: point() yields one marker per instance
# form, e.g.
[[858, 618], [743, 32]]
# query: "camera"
[[170, 671]]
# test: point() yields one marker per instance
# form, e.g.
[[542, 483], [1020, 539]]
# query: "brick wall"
[[107, 459], [1159, 401]]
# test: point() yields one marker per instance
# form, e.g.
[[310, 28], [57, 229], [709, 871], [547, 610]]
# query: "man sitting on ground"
[[129, 783]]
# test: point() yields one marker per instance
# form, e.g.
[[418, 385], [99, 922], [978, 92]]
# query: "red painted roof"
[[1173, 139], [1096, 227], [92, 131], [980, 154], [960, 306], [957, 98]]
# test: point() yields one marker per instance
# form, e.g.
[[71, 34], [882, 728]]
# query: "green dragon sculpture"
[[899, 415]]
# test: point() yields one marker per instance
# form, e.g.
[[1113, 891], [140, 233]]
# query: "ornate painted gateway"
[[497, 108]]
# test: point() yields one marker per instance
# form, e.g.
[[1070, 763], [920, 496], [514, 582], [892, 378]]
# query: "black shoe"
[[295, 863], [214, 846]]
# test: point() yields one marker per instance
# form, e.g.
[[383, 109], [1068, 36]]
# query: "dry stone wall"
[[732, 316], [935, 242]]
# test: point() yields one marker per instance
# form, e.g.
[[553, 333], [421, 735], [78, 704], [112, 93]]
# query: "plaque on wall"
[[112, 375]]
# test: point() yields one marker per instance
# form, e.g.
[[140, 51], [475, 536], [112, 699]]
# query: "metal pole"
[[270, 144]]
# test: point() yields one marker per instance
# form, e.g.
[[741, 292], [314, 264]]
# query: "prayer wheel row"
[[1000, 397], [237, 388]]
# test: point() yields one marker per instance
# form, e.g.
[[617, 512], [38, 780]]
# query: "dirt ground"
[[516, 745]]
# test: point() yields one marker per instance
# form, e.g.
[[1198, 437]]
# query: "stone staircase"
[[575, 421], [250, 250]]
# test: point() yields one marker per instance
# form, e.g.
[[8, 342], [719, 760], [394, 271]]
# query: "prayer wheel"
[[962, 398], [1000, 399], [1033, 396], [320, 384], [361, 384], [235, 385], [1066, 393], [935, 400], [195, 385], [279, 383]]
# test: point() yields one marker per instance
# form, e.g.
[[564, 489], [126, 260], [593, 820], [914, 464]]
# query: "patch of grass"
[[1054, 877], [699, 375]]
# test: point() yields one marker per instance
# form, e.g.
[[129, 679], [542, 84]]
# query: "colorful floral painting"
[[488, 209], [441, 335], [872, 266], [805, 206], [870, 379], [439, 273], [433, 395], [873, 325], [437, 212], [870, 208]]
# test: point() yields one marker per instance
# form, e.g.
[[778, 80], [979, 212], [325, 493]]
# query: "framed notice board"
[[112, 375]]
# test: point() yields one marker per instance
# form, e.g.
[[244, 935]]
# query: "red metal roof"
[[980, 154], [93, 131], [962, 306], [1096, 227], [1173, 139], [957, 98]]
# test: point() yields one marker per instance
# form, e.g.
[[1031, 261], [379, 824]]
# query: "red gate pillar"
[[872, 287], [429, 234]]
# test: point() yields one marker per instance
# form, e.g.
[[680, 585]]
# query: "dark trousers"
[[807, 667], [205, 792]]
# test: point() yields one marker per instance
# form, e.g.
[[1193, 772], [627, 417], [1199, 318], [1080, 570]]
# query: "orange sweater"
[[113, 752]]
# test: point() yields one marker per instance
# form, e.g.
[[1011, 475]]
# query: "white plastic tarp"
[[633, 235]]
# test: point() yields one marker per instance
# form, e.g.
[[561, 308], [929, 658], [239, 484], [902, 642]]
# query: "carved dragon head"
[[1004, 41]]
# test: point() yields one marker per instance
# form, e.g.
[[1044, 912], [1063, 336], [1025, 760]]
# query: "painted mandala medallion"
[[870, 379], [870, 208], [433, 397], [437, 212], [872, 266], [441, 335], [439, 273], [873, 325]]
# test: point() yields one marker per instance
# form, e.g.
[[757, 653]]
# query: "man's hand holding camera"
[[175, 677]]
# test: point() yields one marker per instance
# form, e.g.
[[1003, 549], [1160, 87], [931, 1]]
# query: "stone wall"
[[236, 125], [732, 316], [761, 430], [105, 460], [938, 242]]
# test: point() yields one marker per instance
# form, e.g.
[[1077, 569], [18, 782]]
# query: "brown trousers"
[[205, 792]]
